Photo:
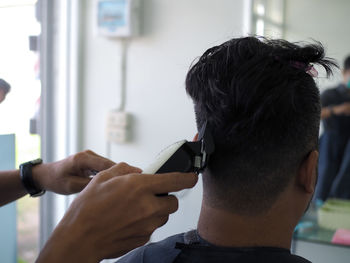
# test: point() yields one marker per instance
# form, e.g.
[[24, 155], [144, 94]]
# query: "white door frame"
[[60, 67]]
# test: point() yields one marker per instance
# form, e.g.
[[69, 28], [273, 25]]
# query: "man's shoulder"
[[163, 251]]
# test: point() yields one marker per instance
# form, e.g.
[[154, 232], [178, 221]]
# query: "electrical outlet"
[[119, 135], [117, 119], [118, 127]]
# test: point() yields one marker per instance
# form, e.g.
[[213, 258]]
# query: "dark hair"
[[346, 65], [5, 86], [264, 111]]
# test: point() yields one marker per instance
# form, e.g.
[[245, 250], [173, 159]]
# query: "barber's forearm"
[[11, 187], [68, 244]]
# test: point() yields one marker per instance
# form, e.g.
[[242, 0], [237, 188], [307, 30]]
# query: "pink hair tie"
[[309, 69], [312, 71]]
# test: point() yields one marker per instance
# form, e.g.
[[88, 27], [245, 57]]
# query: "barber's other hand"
[[69, 175], [114, 214]]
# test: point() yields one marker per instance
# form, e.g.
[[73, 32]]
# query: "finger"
[[163, 220], [166, 204], [169, 182], [91, 161], [123, 169], [146, 227], [119, 170], [92, 152], [76, 184]]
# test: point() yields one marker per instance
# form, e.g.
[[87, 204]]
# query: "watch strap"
[[27, 178]]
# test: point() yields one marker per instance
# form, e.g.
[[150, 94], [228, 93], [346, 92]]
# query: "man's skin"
[[116, 212], [342, 109], [271, 229]]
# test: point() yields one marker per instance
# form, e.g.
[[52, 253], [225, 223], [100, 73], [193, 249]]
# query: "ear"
[[195, 137], [307, 175]]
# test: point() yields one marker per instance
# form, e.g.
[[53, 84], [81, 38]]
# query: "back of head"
[[264, 111], [5, 86]]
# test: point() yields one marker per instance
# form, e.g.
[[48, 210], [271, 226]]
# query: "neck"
[[224, 228]]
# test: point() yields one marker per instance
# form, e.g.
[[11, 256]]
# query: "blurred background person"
[[334, 161], [4, 89]]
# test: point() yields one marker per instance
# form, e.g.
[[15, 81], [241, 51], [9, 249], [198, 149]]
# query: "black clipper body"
[[185, 156]]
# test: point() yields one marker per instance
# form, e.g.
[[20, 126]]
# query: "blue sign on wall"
[[8, 223]]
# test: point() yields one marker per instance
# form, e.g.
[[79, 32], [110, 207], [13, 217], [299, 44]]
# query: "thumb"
[[117, 170], [88, 160]]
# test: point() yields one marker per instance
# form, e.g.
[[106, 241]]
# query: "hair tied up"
[[308, 68]]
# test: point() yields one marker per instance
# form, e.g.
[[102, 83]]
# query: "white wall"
[[174, 32], [322, 20]]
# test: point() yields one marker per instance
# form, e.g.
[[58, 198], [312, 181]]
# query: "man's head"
[[4, 89], [346, 71], [264, 111]]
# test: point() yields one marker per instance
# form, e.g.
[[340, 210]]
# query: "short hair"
[[346, 65], [264, 111], [5, 86]]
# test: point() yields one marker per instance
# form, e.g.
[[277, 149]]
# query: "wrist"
[[75, 225], [27, 178], [68, 243]]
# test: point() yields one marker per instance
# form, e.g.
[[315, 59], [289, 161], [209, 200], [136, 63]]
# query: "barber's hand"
[[69, 175], [114, 214], [342, 109]]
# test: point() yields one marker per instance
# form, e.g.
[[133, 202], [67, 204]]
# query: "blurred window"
[[268, 18], [19, 66]]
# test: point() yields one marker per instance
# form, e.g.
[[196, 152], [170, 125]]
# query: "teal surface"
[[8, 228], [308, 229]]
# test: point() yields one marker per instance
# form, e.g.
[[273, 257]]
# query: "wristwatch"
[[27, 178]]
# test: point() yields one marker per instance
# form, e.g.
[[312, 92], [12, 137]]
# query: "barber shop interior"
[[159, 131]]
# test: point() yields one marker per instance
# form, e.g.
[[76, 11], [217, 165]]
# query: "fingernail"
[[137, 170]]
